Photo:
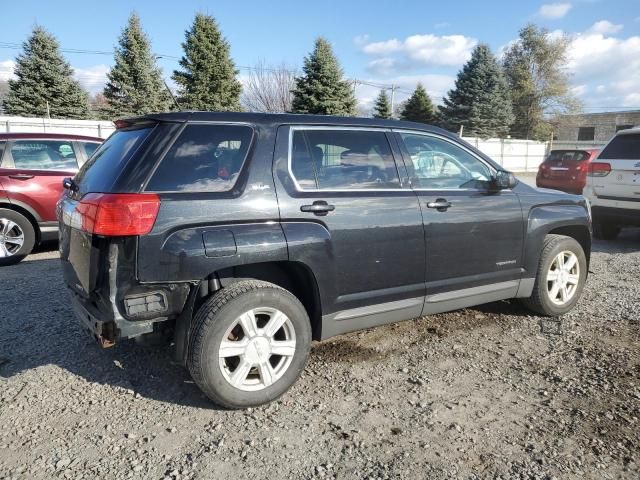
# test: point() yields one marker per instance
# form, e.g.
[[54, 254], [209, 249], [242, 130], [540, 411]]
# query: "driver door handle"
[[21, 176], [319, 207], [441, 204]]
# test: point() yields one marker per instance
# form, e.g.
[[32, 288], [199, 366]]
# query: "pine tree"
[[134, 84], [382, 107], [321, 89], [480, 101], [207, 80], [44, 82], [418, 107]]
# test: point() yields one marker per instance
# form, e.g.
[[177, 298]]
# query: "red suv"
[[32, 167], [565, 170]]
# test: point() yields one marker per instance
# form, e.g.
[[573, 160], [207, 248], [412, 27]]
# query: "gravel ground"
[[488, 392]]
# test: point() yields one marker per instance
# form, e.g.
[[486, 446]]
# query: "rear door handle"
[[319, 207], [441, 204], [21, 176]]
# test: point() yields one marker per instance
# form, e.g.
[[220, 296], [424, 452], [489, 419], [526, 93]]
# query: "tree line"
[[491, 98]]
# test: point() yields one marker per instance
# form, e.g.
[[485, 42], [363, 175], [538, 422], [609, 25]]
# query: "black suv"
[[249, 235]]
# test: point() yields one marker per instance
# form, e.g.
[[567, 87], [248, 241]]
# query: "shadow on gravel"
[[40, 330], [627, 242]]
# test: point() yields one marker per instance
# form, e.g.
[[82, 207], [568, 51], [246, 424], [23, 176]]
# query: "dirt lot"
[[489, 392]]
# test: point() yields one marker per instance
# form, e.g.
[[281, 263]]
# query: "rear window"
[[568, 155], [622, 147], [204, 158], [104, 166]]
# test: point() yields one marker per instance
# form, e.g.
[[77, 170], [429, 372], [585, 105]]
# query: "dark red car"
[[32, 167], [566, 170]]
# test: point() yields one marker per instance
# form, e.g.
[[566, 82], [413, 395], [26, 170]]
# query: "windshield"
[[103, 167]]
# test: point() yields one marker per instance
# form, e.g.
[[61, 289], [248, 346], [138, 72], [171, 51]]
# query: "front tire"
[[562, 272], [17, 237], [249, 344]]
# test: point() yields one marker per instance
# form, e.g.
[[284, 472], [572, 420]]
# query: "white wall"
[[523, 155], [92, 128], [514, 155]]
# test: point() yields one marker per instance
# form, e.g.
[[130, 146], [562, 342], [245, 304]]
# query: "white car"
[[613, 185]]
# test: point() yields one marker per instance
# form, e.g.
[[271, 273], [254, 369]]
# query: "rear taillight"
[[118, 214], [599, 169]]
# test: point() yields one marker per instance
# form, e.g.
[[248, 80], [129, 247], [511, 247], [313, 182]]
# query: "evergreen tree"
[[538, 82], [44, 82], [207, 80], [321, 89], [134, 84], [480, 101], [418, 107], [382, 107]]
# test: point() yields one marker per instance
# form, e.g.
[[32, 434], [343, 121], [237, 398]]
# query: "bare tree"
[[267, 89]]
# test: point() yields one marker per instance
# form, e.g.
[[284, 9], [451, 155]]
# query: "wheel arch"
[[561, 219], [580, 233], [295, 277]]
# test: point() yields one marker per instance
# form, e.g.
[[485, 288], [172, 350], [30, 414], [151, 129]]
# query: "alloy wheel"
[[11, 238], [563, 277], [257, 349]]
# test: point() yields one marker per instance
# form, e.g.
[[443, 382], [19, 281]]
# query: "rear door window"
[[43, 155], [622, 147], [342, 160], [102, 169], [204, 158]]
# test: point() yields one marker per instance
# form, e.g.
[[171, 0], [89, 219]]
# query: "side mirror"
[[504, 180]]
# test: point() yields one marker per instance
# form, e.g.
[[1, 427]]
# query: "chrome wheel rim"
[[11, 238], [257, 349], [563, 278]]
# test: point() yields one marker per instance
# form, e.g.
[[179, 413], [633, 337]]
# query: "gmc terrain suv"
[[613, 185], [249, 235], [32, 166]]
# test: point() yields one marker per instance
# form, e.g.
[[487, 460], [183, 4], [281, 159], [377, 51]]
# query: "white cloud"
[[361, 40], [6, 69], [419, 50], [608, 67], [92, 78], [605, 27], [554, 10]]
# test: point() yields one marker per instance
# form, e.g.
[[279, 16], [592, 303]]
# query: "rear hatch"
[[113, 171], [568, 164], [616, 171]]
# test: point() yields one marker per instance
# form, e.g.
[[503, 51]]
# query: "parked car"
[[252, 234], [565, 170], [32, 166], [613, 185]]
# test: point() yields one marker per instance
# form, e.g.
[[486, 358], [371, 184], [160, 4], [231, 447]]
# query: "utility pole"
[[393, 95], [48, 110]]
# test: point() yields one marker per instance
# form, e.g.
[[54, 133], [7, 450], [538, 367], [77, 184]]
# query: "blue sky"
[[399, 42]]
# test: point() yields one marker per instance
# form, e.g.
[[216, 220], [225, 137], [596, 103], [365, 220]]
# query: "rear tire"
[[605, 231], [558, 253], [17, 237], [234, 336]]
